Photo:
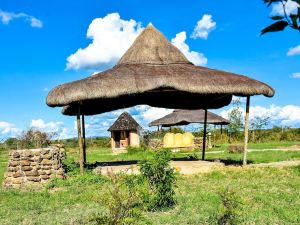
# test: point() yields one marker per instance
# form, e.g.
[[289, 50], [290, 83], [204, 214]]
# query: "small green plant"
[[161, 180], [122, 202], [70, 166], [230, 211]]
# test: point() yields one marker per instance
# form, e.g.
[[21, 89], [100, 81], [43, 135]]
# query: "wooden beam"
[[246, 132], [204, 135], [83, 139], [81, 163]]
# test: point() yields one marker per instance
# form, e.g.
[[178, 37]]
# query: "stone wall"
[[34, 166]]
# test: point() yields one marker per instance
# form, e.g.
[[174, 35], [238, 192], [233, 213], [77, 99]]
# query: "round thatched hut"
[[125, 131], [154, 72], [184, 117]]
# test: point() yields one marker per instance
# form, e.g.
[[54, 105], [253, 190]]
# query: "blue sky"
[[39, 36]]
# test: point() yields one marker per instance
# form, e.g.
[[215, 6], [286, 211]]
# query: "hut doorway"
[[117, 137]]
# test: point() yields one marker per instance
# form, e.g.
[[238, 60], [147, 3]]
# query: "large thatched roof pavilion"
[[184, 117], [155, 73]]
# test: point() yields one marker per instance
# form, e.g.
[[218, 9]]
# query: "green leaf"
[[278, 26], [276, 17], [294, 20]]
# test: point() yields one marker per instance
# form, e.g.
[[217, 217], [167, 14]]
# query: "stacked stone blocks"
[[34, 166]]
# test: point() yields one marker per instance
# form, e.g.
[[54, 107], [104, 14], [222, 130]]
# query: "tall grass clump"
[[230, 213]]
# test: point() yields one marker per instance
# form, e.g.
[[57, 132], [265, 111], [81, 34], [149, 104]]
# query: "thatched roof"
[[154, 68], [185, 117], [125, 122]]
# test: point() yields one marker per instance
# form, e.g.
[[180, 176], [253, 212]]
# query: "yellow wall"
[[178, 140], [168, 140], [134, 139]]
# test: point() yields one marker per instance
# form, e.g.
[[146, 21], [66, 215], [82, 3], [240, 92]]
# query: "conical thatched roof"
[[152, 47], [125, 122], [185, 117], [156, 73]]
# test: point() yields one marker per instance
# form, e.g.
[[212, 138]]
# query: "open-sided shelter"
[[125, 131], [181, 117], [155, 73]]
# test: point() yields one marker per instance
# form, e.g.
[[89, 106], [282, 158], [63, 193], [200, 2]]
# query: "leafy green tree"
[[287, 20], [235, 116], [258, 123]]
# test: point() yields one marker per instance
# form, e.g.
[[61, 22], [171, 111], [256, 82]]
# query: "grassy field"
[[266, 195]]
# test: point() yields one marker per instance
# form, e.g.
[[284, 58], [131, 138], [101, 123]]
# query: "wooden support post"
[[221, 129], [214, 136], [246, 132], [204, 135], [80, 141], [83, 139]]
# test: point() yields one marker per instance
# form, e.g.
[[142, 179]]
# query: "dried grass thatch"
[[185, 117], [125, 122], [154, 72]]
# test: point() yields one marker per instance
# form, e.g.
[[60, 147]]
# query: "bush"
[[161, 180], [122, 202], [70, 166]]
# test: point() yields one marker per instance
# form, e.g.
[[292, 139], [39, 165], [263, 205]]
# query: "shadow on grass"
[[230, 162], [114, 163]]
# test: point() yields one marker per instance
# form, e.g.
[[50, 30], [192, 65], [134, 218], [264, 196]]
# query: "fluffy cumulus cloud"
[[294, 51], [288, 115], [8, 130], [195, 57], [204, 26], [291, 7], [7, 17], [53, 127], [111, 36]]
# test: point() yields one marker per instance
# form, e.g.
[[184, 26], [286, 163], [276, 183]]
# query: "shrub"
[[70, 166], [122, 202], [161, 180], [230, 211]]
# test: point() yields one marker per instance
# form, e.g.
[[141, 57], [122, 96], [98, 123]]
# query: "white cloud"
[[291, 7], [195, 57], [295, 75], [8, 130], [7, 17], [111, 37], [294, 51], [152, 113], [204, 27], [52, 127], [288, 115]]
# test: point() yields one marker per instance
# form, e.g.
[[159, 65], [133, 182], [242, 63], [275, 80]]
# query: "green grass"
[[105, 154], [268, 195]]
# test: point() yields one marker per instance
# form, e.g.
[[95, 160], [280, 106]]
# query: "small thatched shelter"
[[155, 73], [125, 131], [184, 117]]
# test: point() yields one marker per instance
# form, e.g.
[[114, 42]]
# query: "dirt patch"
[[289, 148], [182, 167]]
